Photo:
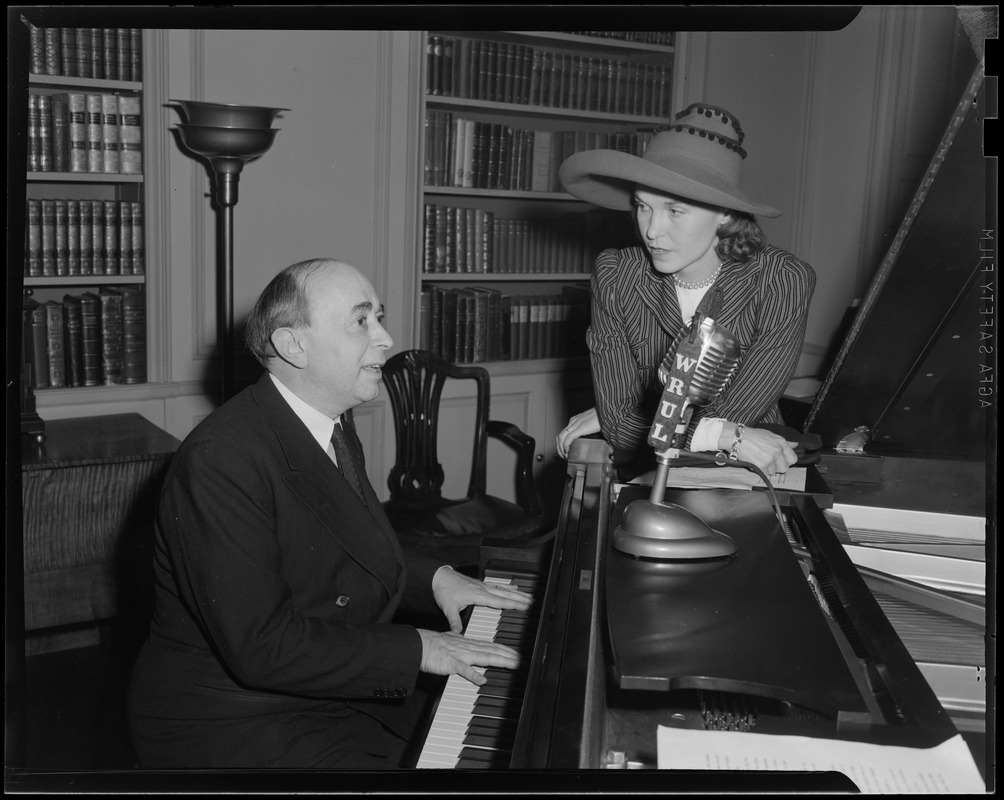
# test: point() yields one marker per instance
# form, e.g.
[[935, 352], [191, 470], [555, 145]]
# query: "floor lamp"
[[227, 136]]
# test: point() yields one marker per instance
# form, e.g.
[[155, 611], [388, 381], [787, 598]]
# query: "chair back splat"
[[414, 381], [451, 528]]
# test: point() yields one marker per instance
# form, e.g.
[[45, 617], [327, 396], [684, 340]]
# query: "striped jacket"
[[636, 317]]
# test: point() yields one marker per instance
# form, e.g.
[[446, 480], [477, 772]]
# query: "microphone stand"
[[703, 363]]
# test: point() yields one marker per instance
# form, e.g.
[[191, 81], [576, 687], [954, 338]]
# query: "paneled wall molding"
[[135, 393], [382, 194], [804, 195], [202, 262], [894, 45], [158, 218], [690, 82]]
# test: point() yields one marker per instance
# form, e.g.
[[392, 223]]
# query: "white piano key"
[[455, 710]]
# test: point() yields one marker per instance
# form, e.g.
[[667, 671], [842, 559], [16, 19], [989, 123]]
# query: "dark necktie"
[[346, 461]]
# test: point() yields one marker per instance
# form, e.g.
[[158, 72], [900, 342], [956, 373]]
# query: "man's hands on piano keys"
[[452, 653]]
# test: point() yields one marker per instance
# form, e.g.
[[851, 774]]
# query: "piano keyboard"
[[474, 726]]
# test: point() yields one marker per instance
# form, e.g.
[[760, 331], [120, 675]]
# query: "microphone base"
[[665, 531]]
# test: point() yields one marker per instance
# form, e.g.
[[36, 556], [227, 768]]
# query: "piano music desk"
[[88, 497]]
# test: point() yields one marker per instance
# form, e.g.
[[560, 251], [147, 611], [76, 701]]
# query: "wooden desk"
[[89, 494]]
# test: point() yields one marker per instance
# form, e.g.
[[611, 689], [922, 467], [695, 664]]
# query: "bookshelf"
[[86, 211], [506, 253]]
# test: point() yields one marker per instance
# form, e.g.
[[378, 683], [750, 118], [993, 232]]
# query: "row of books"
[[478, 324], [507, 72], [665, 38], [84, 237], [465, 153], [85, 340], [475, 240], [79, 132], [103, 53]]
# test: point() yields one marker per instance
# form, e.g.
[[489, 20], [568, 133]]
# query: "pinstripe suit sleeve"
[[619, 383]]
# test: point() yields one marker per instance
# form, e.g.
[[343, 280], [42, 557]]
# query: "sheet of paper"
[[875, 769], [725, 478]]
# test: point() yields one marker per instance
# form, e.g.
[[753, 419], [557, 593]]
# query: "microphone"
[[705, 359], [701, 365]]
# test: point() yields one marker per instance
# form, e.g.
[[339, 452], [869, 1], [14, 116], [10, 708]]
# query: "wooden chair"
[[451, 530]]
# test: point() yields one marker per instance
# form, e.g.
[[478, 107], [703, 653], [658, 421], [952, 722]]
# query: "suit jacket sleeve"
[[624, 410], [777, 312]]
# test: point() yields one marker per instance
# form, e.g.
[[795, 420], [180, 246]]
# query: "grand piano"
[[822, 626]]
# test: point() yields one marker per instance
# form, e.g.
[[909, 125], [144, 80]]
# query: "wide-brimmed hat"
[[699, 157]]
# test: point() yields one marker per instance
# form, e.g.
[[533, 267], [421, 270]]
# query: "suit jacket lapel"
[[320, 485], [657, 293]]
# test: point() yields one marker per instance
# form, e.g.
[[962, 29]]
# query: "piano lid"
[[909, 375]]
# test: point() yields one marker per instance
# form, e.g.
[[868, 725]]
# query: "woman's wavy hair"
[[740, 238]]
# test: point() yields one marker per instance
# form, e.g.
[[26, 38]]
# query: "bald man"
[[278, 577]]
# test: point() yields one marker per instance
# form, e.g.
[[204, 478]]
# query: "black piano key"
[[483, 737], [508, 690], [492, 759], [506, 708], [490, 726], [489, 742]]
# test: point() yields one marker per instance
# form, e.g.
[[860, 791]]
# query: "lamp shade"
[[206, 140], [225, 115]]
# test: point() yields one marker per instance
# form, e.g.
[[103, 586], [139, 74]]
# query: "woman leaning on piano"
[[697, 231]]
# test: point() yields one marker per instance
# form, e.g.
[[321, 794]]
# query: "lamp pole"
[[227, 136]]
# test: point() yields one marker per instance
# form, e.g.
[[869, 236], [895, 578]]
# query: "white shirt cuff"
[[706, 436]]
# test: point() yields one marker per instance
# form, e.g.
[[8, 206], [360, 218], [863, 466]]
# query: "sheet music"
[[947, 768]]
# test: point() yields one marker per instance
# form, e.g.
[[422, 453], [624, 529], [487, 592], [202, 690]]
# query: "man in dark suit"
[[277, 575]]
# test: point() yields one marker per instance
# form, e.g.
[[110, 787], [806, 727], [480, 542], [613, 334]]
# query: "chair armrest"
[[524, 445]]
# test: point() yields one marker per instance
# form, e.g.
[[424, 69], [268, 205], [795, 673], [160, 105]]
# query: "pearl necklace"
[[700, 284]]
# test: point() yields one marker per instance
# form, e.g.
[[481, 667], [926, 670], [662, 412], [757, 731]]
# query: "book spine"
[[439, 264], [436, 303], [112, 263], [98, 236], [48, 238], [73, 237], [130, 136], [138, 239], [425, 320], [33, 268], [85, 53], [90, 322], [428, 237], [433, 55], [110, 133], [60, 134], [95, 157], [98, 52], [86, 238], [109, 52], [133, 336], [111, 336], [45, 133], [136, 53], [74, 342], [62, 239], [36, 49], [53, 63], [123, 54], [68, 52], [54, 342], [34, 143], [40, 346], [125, 237], [76, 104]]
